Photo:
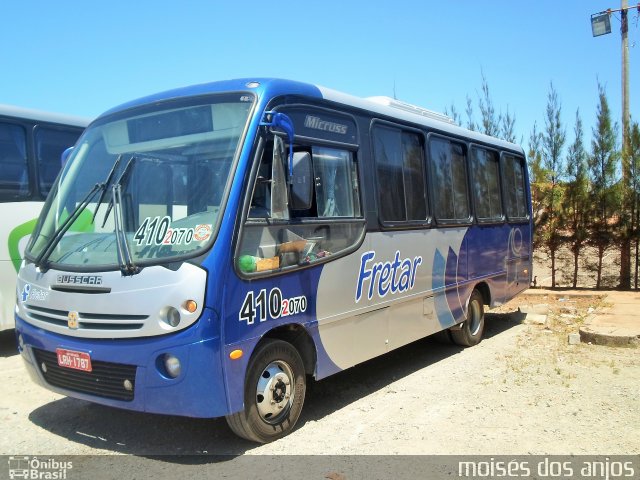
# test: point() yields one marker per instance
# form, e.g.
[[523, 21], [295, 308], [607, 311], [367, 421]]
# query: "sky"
[[82, 58]]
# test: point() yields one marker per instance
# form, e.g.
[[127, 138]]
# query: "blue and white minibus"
[[207, 249], [31, 142]]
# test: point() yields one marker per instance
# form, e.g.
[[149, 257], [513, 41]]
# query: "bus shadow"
[[336, 392], [8, 344], [161, 437], [183, 440]]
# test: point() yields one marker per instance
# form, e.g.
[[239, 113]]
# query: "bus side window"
[[485, 178], [334, 174], [275, 236], [514, 185], [449, 177], [50, 143], [14, 177], [399, 158]]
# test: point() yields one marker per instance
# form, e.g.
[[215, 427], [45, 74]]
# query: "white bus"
[[31, 144]]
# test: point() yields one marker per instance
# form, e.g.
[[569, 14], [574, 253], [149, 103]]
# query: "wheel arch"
[[296, 335], [485, 291]]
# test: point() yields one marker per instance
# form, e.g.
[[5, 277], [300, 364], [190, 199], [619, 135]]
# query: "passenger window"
[[486, 185], [50, 143], [515, 194], [400, 171], [277, 237], [449, 172], [334, 173], [14, 174]]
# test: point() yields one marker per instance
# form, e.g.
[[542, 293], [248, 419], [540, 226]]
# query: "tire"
[[469, 332], [274, 392]]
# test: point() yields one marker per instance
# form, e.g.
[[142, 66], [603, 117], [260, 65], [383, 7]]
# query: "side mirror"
[[65, 156], [280, 121], [301, 181]]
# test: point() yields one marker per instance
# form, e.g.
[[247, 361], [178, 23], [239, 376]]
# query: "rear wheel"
[[275, 388], [469, 333]]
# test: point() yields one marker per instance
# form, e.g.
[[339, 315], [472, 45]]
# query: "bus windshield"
[[143, 187]]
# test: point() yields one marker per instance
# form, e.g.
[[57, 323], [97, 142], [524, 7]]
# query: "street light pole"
[[625, 247], [624, 30]]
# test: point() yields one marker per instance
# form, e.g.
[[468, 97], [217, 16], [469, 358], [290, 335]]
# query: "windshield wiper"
[[105, 186], [125, 261], [43, 257], [123, 176]]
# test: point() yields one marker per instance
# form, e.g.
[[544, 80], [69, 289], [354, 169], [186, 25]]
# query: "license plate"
[[75, 360]]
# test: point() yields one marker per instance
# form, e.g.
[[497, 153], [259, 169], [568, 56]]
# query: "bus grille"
[[87, 321], [106, 380]]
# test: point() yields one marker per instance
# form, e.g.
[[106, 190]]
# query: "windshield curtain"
[[170, 165]]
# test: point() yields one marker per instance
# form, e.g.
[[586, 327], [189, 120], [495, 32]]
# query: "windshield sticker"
[[152, 231], [202, 233], [177, 236], [386, 277], [271, 305], [158, 231]]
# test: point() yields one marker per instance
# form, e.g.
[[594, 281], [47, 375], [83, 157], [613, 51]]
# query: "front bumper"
[[199, 390]]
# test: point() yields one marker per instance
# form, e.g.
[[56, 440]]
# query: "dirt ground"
[[523, 390]]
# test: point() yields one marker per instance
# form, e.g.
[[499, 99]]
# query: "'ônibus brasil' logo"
[[383, 277]]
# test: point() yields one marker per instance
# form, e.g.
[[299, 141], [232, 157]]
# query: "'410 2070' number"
[[263, 305]]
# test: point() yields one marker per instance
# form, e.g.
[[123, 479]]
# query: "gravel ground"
[[523, 390]]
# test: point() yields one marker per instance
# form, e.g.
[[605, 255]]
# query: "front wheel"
[[469, 333], [274, 393]]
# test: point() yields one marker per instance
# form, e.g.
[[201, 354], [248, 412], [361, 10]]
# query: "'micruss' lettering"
[[314, 122]]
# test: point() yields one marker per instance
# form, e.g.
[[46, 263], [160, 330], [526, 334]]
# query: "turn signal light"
[[235, 355], [190, 306]]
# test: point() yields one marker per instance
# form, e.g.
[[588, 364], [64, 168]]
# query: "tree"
[[602, 173], [490, 121], [634, 170], [452, 113], [507, 127], [626, 215], [576, 200], [553, 139], [537, 174], [469, 111], [537, 178]]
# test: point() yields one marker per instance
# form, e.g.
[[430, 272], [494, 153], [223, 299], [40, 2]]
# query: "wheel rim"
[[275, 391], [475, 318]]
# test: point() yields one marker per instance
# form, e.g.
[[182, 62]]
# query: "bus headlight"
[[172, 365], [170, 316]]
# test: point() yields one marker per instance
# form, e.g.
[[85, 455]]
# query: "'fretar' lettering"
[[383, 277]]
